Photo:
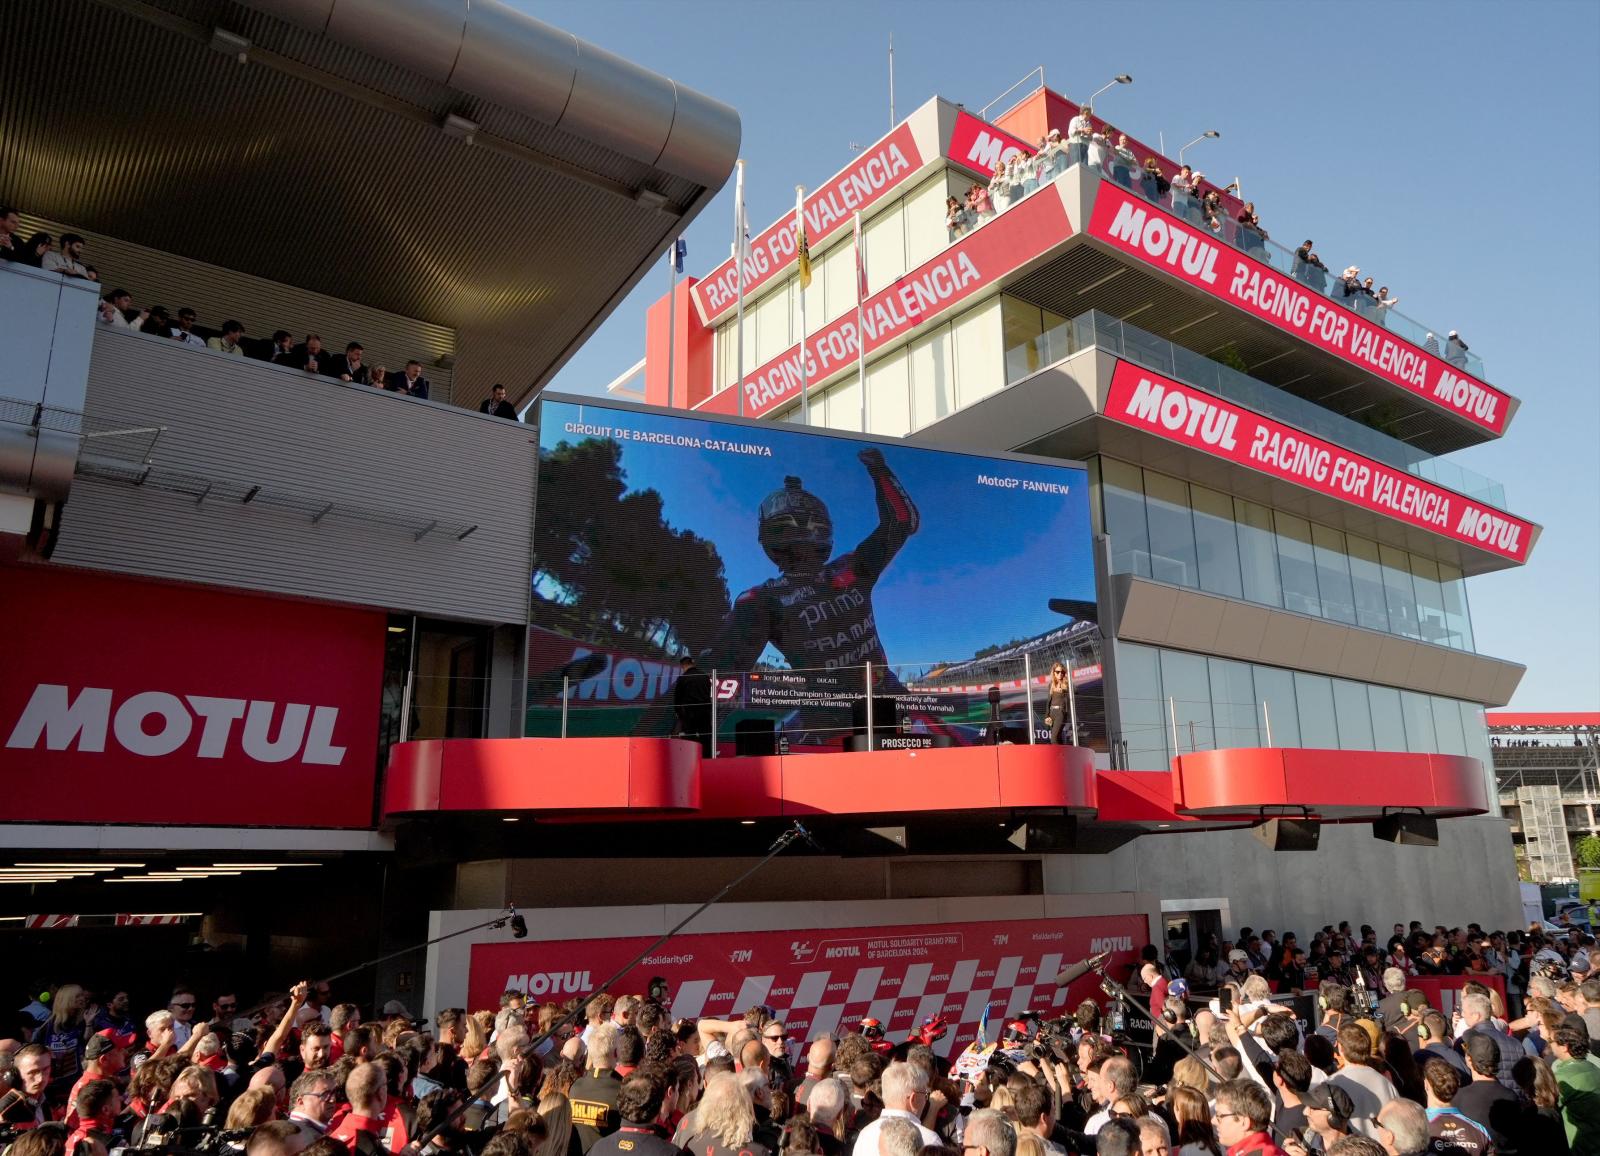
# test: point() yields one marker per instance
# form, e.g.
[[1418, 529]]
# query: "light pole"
[[1210, 133], [1120, 78]]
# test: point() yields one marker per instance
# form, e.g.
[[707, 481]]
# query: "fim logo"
[[743, 955], [1001, 940], [799, 949]]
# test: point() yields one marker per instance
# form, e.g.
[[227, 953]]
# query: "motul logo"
[[154, 723]]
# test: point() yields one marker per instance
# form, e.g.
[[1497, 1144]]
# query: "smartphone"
[[1224, 1000]]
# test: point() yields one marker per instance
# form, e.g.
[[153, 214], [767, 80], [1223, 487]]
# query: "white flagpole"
[[861, 335], [805, 389], [672, 318], [738, 258]]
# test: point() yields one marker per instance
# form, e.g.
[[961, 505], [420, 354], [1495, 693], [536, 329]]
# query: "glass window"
[[980, 355], [771, 329], [838, 278], [1474, 729], [843, 409], [1318, 728], [1297, 564], [1397, 588], [885, 237], [1457, 619], [1447, 727], [1388, 721], [1258, 553], [1280, 719], [1022, 324], [1418, 713], [1187, 685], [1144, 712], [1123, 487], [1430, 600], [889, 394], [1097, 518], [1353, 714], [1366, 575], [1216, 543], [1333, 574], [1172, 556], [1233, 704], [933, 379]]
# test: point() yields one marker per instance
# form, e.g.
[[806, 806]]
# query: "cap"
[[1178, 988], [1237, 955], [1453, 333], [395, 1008], [108, 1040], [1331, 1099]]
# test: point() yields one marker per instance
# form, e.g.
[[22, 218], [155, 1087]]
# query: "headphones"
[[1322, 1002], [1405, 1008], [1422, 1032]]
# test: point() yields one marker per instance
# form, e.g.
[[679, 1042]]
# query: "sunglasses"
[[784, 1036]]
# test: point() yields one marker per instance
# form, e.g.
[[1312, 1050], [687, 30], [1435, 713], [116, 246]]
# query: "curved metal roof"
[[454, 162]]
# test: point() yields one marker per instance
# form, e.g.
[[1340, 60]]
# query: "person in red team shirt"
[[95, 1105], [106, 1056], [363, 1128]]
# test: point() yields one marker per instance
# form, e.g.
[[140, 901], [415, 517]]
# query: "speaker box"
[[1290, 834], [755, 736], [883, 715], [1045, 833], [1408, 830]]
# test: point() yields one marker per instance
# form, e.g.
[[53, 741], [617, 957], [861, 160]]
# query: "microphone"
[[1082, 968], [519, 925], [800, 830]]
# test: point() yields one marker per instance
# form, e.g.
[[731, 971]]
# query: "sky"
[[1450, 149], [973, 538]]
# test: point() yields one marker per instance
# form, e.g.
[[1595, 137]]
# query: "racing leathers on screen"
[[818, 613]]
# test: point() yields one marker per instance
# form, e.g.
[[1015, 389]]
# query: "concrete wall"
[[1470, 876]]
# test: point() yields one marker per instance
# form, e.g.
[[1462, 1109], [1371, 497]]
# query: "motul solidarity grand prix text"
[[1194, 418], [1135, 226]]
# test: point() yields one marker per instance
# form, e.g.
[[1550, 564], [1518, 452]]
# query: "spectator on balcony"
[[1099, 151], [1079, 129], [35, 250], [1308, 267], [309, 355], [1384, 301], [1155, 181], [1187, 180], [955, 217], [232, 335], [1211, 210], [282, 348], [979, 204], [65, 260], [378, 377], [496, 405], [1123, 161], [411, 381], [1251, 234], [350, 367], [11, 243], [1000, 188], [184, 330], [1455, 350], [117, 311], [1055, 154], [158, 323]]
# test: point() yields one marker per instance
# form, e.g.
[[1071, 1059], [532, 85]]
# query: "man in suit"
[[310, 356], [496, 405], [411, 381], [691, 701], [349, 367]]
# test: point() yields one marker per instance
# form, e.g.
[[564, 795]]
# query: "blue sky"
[[1450, 149], [937, 600]]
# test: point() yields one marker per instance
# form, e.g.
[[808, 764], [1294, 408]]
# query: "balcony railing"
[[1250, 241], [1127, 341]]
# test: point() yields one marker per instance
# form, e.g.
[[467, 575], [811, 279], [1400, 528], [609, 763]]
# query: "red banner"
[[1444, 991], [871, 176], [136, 702], [1191, 417], [1132, 225], [817, 980], [978, 145], [966, 268]]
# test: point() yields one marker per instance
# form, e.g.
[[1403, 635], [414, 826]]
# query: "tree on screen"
[[608, 565]]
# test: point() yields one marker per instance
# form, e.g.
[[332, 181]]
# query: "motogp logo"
[[800, 950]]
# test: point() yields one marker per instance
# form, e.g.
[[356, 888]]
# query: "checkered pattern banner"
[[826, 980]]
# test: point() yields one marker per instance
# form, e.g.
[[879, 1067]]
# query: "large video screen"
[[795, 568]]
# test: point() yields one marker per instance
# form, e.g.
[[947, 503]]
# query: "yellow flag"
[[801, 247]]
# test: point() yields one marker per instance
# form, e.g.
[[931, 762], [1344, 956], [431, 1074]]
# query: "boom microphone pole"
[[796, 831]]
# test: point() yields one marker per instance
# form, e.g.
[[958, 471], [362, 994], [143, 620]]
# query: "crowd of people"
[[118, 311], [1377, 1070], [1109, 153]]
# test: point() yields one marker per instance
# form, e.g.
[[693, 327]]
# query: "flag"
[[680, 250], [801, 248], [861, 264], [741, 226]]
